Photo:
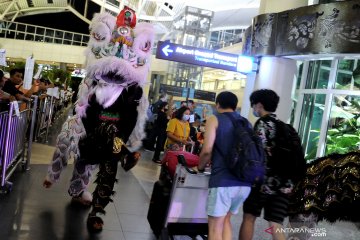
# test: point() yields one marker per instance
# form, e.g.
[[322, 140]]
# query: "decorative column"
[[275, 73]]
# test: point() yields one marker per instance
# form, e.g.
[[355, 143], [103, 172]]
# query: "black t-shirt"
[[161, 121], [11, 89]]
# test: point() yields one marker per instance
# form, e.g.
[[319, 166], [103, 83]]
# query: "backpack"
[[152, 111], [246, 157], [289, 160]]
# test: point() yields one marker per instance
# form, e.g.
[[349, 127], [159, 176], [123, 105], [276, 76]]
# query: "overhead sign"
[[205, 95], [187, 92], [172, 90], [204, 57]]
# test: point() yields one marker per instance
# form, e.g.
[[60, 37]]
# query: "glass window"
[[59, 34], [348, 75], [343, 80], [20, 35], [310, 122], [21, 27], [49, 33], [30, 29], [343, 134], [347, 65], [318, 74], [29, 37], [221, 85], [235, 85], [214, 36], [209, 86]]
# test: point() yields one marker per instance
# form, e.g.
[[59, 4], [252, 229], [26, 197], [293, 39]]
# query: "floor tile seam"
[[118, 217]]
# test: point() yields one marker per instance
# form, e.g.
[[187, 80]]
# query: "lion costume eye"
[[146, 47]]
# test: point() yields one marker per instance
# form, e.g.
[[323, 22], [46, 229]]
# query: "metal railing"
[[28, 32], [16, 133], [44, 117]]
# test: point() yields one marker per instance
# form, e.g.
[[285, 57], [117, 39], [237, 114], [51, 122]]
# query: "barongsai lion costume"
[[110, 112]]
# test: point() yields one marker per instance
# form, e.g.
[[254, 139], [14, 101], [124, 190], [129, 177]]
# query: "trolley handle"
[[182, 161]]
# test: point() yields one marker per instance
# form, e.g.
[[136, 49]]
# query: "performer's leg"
[[80, 181], [105, 181]]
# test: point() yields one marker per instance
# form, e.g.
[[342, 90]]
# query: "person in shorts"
[[272, 195], [226, 192]]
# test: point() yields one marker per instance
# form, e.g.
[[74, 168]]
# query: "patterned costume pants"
[[105, 181]]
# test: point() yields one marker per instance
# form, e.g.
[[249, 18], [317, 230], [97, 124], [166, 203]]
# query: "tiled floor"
[[31, 212]]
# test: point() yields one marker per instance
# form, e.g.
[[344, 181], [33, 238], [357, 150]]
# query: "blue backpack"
[[246, 158]]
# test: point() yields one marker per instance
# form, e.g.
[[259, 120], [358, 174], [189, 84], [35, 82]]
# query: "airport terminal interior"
[[90, 90]]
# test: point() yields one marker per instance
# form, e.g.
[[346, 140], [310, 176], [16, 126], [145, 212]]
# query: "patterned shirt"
[[265, 128]]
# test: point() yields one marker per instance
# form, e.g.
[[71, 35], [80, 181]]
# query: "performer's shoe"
[[84, 199], [94, 223]]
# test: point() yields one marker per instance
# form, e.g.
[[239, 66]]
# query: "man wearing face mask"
[[178, 130], [273, 194]]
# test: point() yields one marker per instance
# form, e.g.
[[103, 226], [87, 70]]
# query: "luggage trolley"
[[186, 213]]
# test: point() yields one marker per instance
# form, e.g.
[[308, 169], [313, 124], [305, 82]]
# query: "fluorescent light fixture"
[[245, 64]]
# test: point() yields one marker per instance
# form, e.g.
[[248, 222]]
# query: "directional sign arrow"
[[166, 50]]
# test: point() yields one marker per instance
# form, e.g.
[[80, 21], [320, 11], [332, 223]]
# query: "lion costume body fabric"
[[108, 126]]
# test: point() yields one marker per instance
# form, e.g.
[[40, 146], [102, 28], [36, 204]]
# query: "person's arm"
[[210, 135], [4, 95], [21, 97]]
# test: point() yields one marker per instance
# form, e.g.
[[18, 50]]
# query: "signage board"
[[205, 95], [172, 90], [204, 57], [183, 92]]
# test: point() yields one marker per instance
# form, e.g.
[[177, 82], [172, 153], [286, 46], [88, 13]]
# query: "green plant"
[[345, 135], [58, 76], [344, 138]]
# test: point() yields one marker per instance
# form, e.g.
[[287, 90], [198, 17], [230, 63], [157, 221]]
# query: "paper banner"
[[29, 71], [3, 57]]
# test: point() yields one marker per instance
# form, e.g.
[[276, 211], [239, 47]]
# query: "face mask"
[[256, 114], [186, 118]]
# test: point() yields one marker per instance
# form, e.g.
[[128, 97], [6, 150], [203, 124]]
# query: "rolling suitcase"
[[158, 207]]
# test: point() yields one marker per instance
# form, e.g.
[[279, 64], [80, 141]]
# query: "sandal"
[[94, 224]]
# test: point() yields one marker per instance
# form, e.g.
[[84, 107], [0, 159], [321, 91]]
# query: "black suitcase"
[[158, 208]]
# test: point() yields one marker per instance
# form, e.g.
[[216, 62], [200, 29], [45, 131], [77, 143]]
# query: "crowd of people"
[[12, 89], [173, 129], [183, 130], [285, 182]]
